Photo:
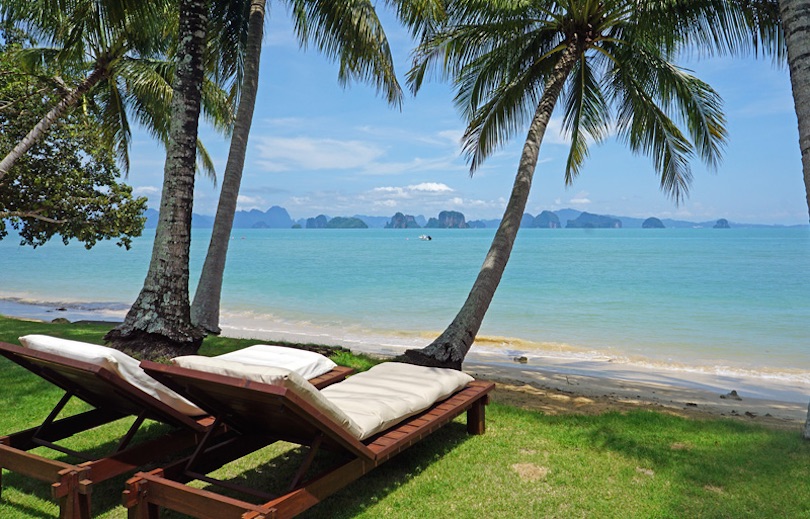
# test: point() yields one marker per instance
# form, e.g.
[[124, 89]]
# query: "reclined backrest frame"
[[112, 398], [264, 412]]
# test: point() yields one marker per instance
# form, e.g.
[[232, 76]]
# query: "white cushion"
[[114, 361], [230, 368], [364, 404], [268, 375], [308, 364], [391, 392]]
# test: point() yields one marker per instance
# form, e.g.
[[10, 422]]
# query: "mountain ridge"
[[277, 217]]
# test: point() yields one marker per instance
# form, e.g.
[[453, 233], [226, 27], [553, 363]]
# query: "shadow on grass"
[[272, 471], [106, 495]]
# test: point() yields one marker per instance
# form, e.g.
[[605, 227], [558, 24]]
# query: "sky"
[[318, 148]]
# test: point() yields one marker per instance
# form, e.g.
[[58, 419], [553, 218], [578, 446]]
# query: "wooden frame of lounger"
[[112, 399], [263, 414]]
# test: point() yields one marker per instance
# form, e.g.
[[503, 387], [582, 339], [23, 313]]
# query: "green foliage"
[[128, 48], [502, 57], [68, 183], [342, 222]]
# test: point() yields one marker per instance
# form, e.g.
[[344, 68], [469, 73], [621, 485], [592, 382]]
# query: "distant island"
[[278, 218]]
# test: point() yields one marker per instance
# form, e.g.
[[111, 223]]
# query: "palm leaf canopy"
[[133, 42], [500, 55]]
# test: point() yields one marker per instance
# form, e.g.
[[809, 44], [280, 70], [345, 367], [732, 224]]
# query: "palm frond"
[[647, 130], [350, 33], [205, 163], [586, 115]]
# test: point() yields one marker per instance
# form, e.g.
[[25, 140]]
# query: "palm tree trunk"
[[41, 128], [159, 322], [205, 308], [796, 24], [806, 433], [450, 348]]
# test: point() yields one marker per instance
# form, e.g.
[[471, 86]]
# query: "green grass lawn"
[[528, 465]]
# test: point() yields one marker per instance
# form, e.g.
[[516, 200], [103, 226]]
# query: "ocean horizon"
[[729, 304]]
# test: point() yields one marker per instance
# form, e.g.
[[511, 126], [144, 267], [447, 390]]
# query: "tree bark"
[[159, 322], [205, 308], [39, 131], [451, 347], [796, 24], [807, 425]]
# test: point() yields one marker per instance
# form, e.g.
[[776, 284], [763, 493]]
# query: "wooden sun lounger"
[[112, 398], [262, 414]]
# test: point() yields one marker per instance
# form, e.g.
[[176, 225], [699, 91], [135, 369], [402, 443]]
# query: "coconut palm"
[[796, 21], [159, 321], [607, 63], [347, 31], [121, 46], [205, 306]]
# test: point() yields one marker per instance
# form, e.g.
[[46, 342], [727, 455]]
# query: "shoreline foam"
[[778, 395]]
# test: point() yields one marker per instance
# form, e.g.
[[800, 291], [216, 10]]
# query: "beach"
[[557, 385]]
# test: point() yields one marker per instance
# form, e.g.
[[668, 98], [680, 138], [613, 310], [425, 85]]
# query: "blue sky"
[[316, 147]]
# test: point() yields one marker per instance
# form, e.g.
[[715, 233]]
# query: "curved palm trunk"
[[159, 321], [41, 128], [806, 433], [450, 348], [796, 24], [205, 308]]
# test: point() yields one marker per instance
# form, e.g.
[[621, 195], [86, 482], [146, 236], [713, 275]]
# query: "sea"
[[678, 303]]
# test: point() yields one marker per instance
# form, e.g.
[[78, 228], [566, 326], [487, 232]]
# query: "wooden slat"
[[414, 429], [277, 408], [338, 374], [149, 488], [31, 465]]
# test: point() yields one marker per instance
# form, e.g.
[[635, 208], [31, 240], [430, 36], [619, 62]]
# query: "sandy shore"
[[559, 393], [560, 385]]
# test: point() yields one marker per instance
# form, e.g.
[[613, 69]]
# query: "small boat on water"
[[425, 237]]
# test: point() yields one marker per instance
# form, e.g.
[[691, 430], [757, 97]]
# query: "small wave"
[[89, 306]]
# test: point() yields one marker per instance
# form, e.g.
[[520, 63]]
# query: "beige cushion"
[[114, 361], [308, 364], [364, 404], [268, 375], [390, 392]]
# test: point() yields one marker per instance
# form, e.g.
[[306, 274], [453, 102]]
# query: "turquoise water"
[[737, 298]]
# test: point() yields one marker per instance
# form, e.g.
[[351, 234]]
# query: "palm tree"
[[347, 31], [122, 45], [159, 321], [609, 64], [205, 306], [796, 23]]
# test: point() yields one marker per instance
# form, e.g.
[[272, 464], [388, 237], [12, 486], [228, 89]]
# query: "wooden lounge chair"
[[112, 397], [286, 410]]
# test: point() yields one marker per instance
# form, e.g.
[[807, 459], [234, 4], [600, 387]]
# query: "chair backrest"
[[96, 385], [255, 408]]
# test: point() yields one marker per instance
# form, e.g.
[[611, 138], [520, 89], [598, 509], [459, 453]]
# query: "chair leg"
[[476, 416], [73, 504], [137, 507]]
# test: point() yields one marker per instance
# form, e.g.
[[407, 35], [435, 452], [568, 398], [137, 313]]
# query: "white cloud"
[[407, 192], [246, 203], [581, 198], [302, 153], [146, 191], [433, 187], [554, 133], [452, 136]]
